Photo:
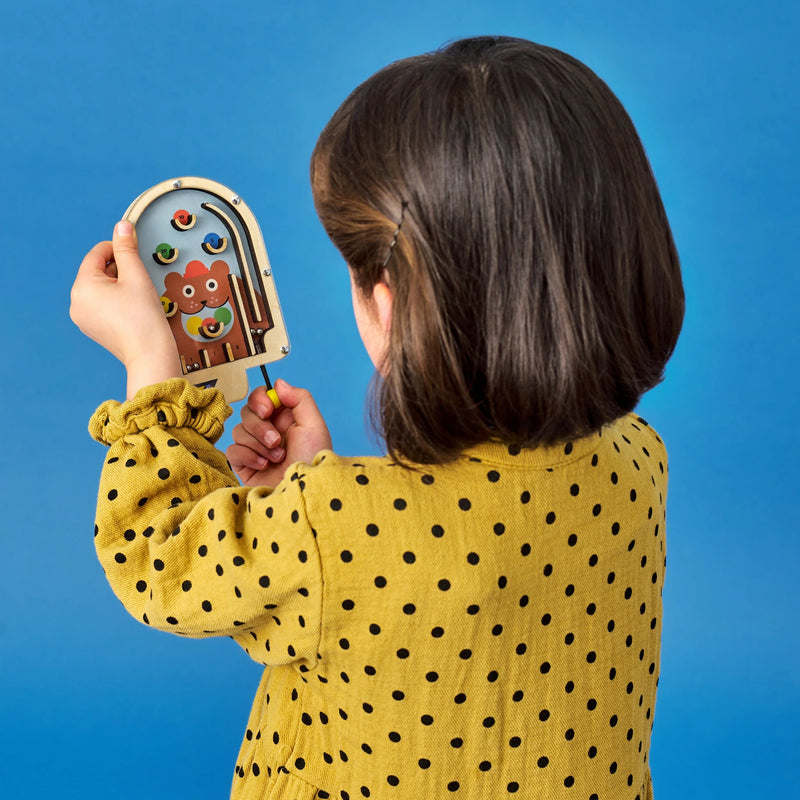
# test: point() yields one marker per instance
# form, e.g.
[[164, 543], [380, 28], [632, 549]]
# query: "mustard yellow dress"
[[484, 629]]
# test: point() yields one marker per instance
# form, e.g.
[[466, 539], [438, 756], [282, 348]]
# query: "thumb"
[[303, 406], [126, 251]]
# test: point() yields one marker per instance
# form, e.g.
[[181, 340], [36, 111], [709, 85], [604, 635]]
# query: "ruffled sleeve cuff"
[[175, 403]]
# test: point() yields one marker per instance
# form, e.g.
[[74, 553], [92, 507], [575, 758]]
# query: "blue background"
[[102, 100]]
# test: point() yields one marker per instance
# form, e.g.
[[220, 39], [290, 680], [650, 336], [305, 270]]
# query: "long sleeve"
[[189, 551]]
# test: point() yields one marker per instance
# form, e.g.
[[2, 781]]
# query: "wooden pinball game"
[[203, 249]]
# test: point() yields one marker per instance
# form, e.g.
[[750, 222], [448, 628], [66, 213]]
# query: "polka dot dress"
[[485, 629]]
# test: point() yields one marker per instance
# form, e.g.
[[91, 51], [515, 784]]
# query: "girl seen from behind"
[[477, 614]]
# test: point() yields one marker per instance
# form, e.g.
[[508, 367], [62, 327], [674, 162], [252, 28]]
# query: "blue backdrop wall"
[[103, 99]]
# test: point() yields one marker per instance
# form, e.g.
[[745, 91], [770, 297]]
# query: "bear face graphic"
[[199, 287]]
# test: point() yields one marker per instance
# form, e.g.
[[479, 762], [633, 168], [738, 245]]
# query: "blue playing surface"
[[102, 100]]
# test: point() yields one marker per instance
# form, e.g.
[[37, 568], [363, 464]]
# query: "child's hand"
[[267, 439], [115, 303]]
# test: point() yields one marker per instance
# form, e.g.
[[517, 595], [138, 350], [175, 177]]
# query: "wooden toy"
[[204, 251]]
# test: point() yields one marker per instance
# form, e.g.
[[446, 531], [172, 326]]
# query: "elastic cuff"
[[175, 403]]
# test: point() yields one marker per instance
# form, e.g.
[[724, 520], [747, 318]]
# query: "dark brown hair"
[[536, 286]]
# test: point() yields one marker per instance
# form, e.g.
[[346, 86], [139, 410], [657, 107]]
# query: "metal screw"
[[266, 272], [236, 200], [176, 184], [284, 348]]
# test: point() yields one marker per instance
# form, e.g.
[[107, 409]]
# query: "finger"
[[95, 261], [283, 420], [126, 252], [243, 457], [244, 437], [301, 402], [260, 403], [263, 431]]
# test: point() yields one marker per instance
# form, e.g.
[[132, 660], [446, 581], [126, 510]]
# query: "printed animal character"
[[213, 316]]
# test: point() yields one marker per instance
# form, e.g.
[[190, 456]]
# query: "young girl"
[[477, 614]]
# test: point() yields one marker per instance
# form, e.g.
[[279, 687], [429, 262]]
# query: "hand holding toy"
[[114, 303], [270, 437]]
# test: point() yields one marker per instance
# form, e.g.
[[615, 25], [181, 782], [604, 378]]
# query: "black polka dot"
[[400, 504], [464, 504]]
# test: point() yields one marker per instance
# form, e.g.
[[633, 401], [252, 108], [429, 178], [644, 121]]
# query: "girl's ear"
[[382, 299]]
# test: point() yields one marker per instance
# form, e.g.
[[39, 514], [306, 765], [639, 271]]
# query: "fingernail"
[[261, 462], [124, 228], [260, 411], [277, 454], [271, 438]]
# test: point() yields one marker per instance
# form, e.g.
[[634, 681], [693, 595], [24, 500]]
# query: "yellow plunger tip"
[[273, 395]]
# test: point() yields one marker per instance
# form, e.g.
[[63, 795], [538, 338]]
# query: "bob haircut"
[[501, 191]]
